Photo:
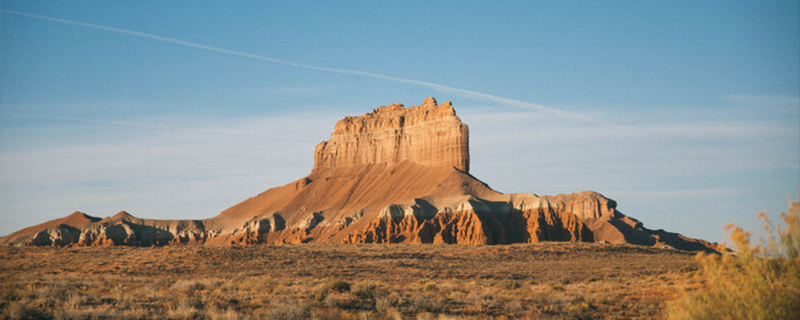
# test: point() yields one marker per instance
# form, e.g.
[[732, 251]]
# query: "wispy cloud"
[[765, 100], [230, 127], [694, 194], [562, 157], [468, 94], [154, 170]]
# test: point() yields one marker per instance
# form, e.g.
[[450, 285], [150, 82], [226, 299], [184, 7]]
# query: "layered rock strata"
[[394, 175], [428, 134]]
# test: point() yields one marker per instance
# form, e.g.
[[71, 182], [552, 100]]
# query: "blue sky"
[[686, 113]]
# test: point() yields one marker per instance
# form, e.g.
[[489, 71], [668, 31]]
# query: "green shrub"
[[757, 281]]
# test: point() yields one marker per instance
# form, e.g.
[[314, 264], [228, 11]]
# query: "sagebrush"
[[756, 281]]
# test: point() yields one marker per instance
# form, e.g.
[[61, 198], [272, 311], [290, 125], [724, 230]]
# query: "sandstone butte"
[[394, 175]]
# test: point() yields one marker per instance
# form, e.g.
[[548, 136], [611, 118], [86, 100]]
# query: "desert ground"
[[323, 281]]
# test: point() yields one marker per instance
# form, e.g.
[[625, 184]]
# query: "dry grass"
[[535, 281], [758, 281]]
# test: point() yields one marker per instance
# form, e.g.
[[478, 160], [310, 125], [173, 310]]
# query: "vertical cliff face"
[[429, 134]]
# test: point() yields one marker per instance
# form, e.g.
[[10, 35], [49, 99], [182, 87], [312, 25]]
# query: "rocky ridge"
[[394, 175]]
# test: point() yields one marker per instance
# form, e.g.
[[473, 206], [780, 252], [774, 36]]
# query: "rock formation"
[[58, 232], [428, 134], [394, 175]]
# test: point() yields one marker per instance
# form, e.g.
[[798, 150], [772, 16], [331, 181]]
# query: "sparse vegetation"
[[338, 285], [534, 281], [757, 281]]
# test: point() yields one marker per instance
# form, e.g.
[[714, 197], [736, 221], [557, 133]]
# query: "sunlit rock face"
[[393, 175], [429, 134]]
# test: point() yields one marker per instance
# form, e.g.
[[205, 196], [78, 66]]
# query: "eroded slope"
[[394, 175]]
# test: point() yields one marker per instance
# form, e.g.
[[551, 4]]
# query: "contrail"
[[439, 87]]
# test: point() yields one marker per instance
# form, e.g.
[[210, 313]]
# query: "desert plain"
[[548, 280]]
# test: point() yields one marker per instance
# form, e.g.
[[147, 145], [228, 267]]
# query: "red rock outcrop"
[[474, 227], [394, 175], [67, 226], [428, 134]]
